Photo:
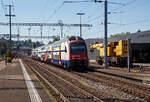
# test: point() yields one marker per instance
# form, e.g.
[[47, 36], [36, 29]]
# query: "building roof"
[[141, 37]]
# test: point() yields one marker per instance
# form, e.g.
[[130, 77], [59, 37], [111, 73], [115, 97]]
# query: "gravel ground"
[[119, 96], [113, 91]]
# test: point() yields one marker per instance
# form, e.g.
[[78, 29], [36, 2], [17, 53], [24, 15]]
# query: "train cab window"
[[78, 48]]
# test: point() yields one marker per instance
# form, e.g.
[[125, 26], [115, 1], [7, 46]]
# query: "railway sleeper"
[[57, 92]]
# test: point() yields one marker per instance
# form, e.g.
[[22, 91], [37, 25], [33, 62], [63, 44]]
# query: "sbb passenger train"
[[70, 52]]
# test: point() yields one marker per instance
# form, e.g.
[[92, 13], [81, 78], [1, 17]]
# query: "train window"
[[78, 48], [65, 49]]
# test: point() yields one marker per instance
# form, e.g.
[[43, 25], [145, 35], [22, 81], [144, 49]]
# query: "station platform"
[[136, 74], [19, 84]]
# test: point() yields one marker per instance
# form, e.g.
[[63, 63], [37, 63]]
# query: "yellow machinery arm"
[[117, 48]]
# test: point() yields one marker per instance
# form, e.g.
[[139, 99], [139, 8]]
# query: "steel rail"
[[108, 82], [94, 98], [50, 85]]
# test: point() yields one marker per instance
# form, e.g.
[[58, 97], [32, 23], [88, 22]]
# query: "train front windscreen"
[[78, 47]]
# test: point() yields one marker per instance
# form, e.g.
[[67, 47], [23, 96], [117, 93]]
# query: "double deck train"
[[70, 52]]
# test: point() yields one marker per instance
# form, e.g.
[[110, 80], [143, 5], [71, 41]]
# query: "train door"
[[59, 55], [52, 55]]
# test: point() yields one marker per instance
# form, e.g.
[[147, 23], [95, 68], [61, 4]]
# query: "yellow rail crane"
[[117, 52]]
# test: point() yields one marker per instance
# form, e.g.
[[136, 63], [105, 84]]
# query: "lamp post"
[[80, 14]]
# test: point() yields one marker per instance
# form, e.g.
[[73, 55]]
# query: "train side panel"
[[65, 61], [71, 52]]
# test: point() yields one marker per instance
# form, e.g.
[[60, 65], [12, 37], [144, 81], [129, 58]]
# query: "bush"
[[9, 59], [9, 56]]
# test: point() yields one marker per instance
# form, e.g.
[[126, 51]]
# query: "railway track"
[[65, 90], [135, 89]]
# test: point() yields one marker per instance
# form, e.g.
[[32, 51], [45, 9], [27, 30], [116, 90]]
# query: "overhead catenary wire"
[[55, 11], [112, 11], [83, 1], [136, 22], [131, 23], [43, 11], [122, 6], [127, 4], [15, 18], [3, 6]]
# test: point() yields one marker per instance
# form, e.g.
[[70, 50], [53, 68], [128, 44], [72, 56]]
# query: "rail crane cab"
[[70, 53]]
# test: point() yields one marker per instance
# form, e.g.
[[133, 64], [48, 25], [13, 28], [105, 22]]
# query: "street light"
[[80, 14]]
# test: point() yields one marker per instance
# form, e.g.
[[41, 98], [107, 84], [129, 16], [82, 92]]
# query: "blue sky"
[[135, 15]]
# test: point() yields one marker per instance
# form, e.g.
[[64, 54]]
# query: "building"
[[92, 55], [140, 46]]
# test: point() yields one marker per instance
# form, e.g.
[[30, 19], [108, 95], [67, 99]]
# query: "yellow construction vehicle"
[[117, 52]]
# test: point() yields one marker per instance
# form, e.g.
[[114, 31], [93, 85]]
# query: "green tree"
[[56, 39], [138, 31], [28, 42], [3, 46], [9, 56], [127, 33], [34, 45], [50, 42], [119, 34]]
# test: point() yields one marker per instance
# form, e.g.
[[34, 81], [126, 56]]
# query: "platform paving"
[[14, 88]]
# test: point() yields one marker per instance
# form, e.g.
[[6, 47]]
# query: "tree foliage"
[[3, 46], [119, 34], [9, 54], [138, 31], [56, 39], [50, 42]]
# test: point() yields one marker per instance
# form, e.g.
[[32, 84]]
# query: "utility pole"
[[10, 15], [80, 23], [41, 29], [29, 29], [105, 31], [18, 35], [18, 39], [129, 49], [60, 22], [61, 28], [105, 37]]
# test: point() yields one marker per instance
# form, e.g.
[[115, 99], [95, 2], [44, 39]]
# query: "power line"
[[77, 1], [55, 12], [43, 10], [136, 22], [123, 5], [132, 23], [93, 19], [4, 9]]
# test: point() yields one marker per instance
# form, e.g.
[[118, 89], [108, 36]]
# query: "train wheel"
[[64, 65]]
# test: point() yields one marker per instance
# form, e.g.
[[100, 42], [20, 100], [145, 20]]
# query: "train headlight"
[[84, 58]]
